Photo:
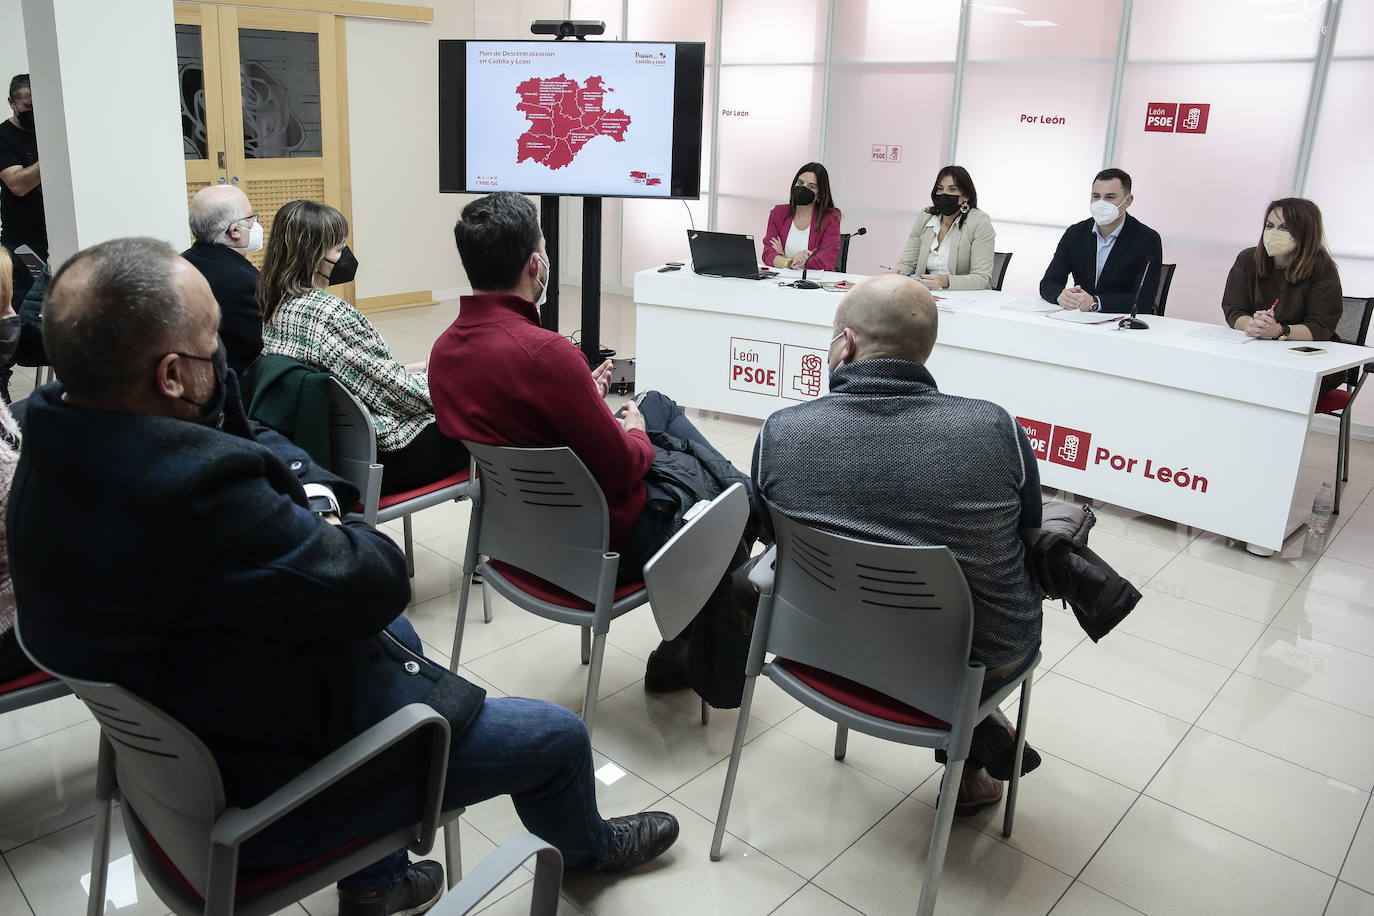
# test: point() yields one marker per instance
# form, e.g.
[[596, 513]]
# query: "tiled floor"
[[1214, 754]]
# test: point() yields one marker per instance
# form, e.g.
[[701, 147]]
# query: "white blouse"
[[797, 239], [937, 261]]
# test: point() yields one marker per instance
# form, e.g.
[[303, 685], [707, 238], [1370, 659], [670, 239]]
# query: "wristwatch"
[[1097, 304], [1286, 330]]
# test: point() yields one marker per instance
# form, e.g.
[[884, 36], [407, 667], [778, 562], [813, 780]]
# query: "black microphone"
[[804, 283], [1130, 322]]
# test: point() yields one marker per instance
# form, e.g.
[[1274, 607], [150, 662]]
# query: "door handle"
[[220, 157], [233, 179]]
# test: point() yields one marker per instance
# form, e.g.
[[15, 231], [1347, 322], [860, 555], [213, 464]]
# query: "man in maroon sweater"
[[497, 377]]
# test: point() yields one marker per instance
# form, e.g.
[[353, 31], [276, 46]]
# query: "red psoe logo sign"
[[1161, 116], [1039, 435], [1192, 117], [1070, 447]]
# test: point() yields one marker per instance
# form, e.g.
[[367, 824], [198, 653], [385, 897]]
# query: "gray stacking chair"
[[353, 452], [1353, 327], [30, 690], [875, 638], [540, 520], [500, 865], [1166, 279]]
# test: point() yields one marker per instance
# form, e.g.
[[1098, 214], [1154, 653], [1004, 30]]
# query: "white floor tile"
[[1353, 545], [1315, 668], [1194, 629], [1063, 813], [900, 766], [41, 719], [1219, 780], [1359, 862], [685, 881], [1330, 619], [12, 902], [1060, 634], [1135, 560], [436, 619], [1147, 529], [547, 666], [1292, 726], [882, 873], [797, 805], [1115, 738], [50, 872], [1081, 900], [1162, 861], [1163, 679], [1226, 589], [1351, 581], [1228, 552], [1350, 901], [812, 901], [48, 783]]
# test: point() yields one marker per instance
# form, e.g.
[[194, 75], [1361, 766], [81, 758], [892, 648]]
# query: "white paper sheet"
[[1074, 316], [1037, 306]]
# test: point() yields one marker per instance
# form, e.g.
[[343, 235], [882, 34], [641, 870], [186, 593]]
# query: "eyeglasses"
[[838, 336], [250, 219]]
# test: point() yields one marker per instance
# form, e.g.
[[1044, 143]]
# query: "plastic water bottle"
[[1320, 519]]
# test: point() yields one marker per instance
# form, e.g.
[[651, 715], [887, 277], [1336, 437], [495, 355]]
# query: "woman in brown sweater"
[[1286, 287]]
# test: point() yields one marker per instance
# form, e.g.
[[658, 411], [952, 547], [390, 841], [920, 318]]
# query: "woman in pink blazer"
[[805, 232]]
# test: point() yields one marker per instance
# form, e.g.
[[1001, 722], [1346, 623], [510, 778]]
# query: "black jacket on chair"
[[234, 281], [1077, 254]]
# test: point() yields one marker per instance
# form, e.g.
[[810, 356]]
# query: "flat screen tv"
[[575, 118]]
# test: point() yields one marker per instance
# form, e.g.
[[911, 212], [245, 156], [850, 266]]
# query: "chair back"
[[165, 775], [842, 262], [541, 511], [1166, 277], [353, 446], [1000, 260], [685, 571], [1354, 324], [898, 619]]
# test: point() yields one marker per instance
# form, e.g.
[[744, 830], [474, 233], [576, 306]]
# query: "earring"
[[963, 208]]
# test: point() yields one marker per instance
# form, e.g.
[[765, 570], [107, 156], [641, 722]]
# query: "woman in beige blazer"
[[950, 245]]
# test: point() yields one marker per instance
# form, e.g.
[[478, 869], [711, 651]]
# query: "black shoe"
[[994, 743], [667, 668], [419, 890], [639, 838]]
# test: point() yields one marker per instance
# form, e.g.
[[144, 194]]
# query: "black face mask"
[[802, 196], [945, 204], [25, 119], [345, 268], [212, 410]]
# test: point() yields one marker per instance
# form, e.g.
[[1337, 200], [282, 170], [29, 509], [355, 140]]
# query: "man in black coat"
[[160, 541], [1107, 254], [226, 228]]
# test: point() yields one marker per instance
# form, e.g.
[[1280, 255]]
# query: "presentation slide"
[[547, 117]]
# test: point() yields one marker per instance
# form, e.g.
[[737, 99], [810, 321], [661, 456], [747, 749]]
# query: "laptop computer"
[[724, 254]]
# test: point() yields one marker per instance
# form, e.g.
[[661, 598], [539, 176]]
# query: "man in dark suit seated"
[[192, 566], [1106, 254], [226, 227]]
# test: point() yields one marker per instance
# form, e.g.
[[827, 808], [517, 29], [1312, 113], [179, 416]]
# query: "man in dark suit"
[[1106, 254], [226, 227], [193, 569]]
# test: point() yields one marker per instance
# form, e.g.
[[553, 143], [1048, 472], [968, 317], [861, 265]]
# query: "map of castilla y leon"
[[564, 115]]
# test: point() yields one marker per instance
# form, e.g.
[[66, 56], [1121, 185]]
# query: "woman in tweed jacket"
[[305, 254]]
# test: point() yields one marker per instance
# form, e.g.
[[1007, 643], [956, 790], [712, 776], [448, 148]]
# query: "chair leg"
[[736, 750], [939, 838], [1022, 720], [705, 713], [464, 589], [486, 603], [410, 546], [586, 645], [453, 853], [841, 741], [100, 845], [593, 679]]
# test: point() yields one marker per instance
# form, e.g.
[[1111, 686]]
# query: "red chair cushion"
[[858, 697], [28, 680], [1333, 400], [253, 882], [547, 591], [386, 502]]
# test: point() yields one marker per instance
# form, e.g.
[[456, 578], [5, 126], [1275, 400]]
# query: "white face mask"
[[1104, 214], [255, 237], [1279, 242], [543, 284]]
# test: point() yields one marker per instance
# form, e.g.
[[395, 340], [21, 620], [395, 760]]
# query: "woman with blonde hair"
[[306, 253]]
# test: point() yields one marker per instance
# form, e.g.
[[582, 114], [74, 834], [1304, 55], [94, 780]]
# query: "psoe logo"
[[1038, 432], [1070, 447], [1177, 117], [1160, 116]]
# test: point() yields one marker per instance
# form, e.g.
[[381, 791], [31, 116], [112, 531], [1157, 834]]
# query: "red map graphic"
[[564, 115]]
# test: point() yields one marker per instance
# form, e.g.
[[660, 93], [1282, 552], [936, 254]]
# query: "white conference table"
[[1205, 432]]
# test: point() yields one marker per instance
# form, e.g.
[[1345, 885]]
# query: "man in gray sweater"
[[886, 457]]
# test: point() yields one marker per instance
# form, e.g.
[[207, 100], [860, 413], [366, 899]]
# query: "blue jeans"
[[536, 752]]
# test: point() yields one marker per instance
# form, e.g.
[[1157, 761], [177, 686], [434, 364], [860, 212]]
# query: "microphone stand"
[[804, 283], [1130, 322]]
